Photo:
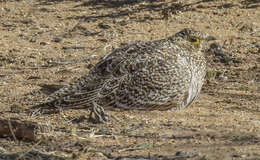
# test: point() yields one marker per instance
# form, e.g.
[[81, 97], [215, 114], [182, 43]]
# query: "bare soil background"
[[223, 123]]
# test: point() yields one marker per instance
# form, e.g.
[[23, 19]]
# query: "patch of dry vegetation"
[[45, 44]]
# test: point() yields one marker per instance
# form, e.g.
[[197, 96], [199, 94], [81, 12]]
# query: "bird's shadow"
[[48, 89]]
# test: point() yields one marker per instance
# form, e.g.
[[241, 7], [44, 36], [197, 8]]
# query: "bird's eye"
[[194, 40]]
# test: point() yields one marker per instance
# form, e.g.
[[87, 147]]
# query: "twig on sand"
[[29, 150], [73, 61], [177, 156]]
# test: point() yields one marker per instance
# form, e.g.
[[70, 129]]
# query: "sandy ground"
[[223, 123]]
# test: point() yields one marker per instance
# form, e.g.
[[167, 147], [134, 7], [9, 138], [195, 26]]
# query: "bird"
[[164, 74]]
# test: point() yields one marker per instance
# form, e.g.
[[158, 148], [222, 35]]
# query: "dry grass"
[[39, 39]]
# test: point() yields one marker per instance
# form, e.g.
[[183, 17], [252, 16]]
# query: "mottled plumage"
[[155, 75]]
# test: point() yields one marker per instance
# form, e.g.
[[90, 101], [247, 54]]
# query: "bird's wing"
[[101, 82]]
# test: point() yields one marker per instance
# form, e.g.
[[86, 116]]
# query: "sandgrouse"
[[154, 75]]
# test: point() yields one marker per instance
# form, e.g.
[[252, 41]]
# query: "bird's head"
[[196, 38]]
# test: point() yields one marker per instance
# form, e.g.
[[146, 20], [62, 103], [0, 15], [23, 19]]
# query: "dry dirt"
[[223, 123]]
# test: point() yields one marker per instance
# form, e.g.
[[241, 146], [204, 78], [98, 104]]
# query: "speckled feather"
[[155, 75]]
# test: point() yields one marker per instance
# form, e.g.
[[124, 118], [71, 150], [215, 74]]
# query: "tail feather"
[[68, 97]]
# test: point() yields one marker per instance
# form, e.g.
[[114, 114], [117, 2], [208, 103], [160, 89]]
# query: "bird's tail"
[[55, 102]]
